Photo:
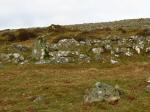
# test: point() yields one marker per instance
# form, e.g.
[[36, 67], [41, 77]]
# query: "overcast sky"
[[32, 13]]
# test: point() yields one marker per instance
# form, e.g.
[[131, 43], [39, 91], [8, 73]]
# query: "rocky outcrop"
[[105, 50]]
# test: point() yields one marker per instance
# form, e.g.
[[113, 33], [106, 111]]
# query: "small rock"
[[84, 58], [148, 80], [20, 47], [147, 50], [16, 55], [97, 50], [147, 88], [43, 62], [38, 99], [114, 61], [137, 49]]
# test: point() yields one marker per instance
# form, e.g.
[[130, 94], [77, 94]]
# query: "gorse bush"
[[18, 35], [8, 36], [23, 35]]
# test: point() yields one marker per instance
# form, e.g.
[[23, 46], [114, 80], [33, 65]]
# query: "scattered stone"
[[147, 50], [114, 61], [20, 48], [97, 50], [43, 62], [53, 47], [108, 47], [102, 92], [84, 58], [138, 50], [16, 55], [148, 80], [61, 60], [24, 62], [147, 88], [12, 57], [38, 99], [128, 53], [87, 50]]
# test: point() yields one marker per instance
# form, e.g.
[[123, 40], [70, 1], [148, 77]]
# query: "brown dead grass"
[[63, 87]]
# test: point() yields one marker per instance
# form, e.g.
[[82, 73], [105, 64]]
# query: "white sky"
[[32, 13]]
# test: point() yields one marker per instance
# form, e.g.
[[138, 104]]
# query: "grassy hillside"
[[61, 87], [124, 28]]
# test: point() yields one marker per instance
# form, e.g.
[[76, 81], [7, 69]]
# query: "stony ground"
[[60, 87]]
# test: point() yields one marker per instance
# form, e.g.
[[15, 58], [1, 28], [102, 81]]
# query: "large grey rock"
[[67, 43], [40, 49], [102, 92]]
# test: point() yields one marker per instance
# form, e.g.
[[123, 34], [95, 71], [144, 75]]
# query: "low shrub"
[[144, 32], [22, 35]]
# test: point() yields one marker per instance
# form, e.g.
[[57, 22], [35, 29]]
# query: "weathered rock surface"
[[12, 57], [40, 49], [67, 43], [102, 92], [106, 50], [20, 48]]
